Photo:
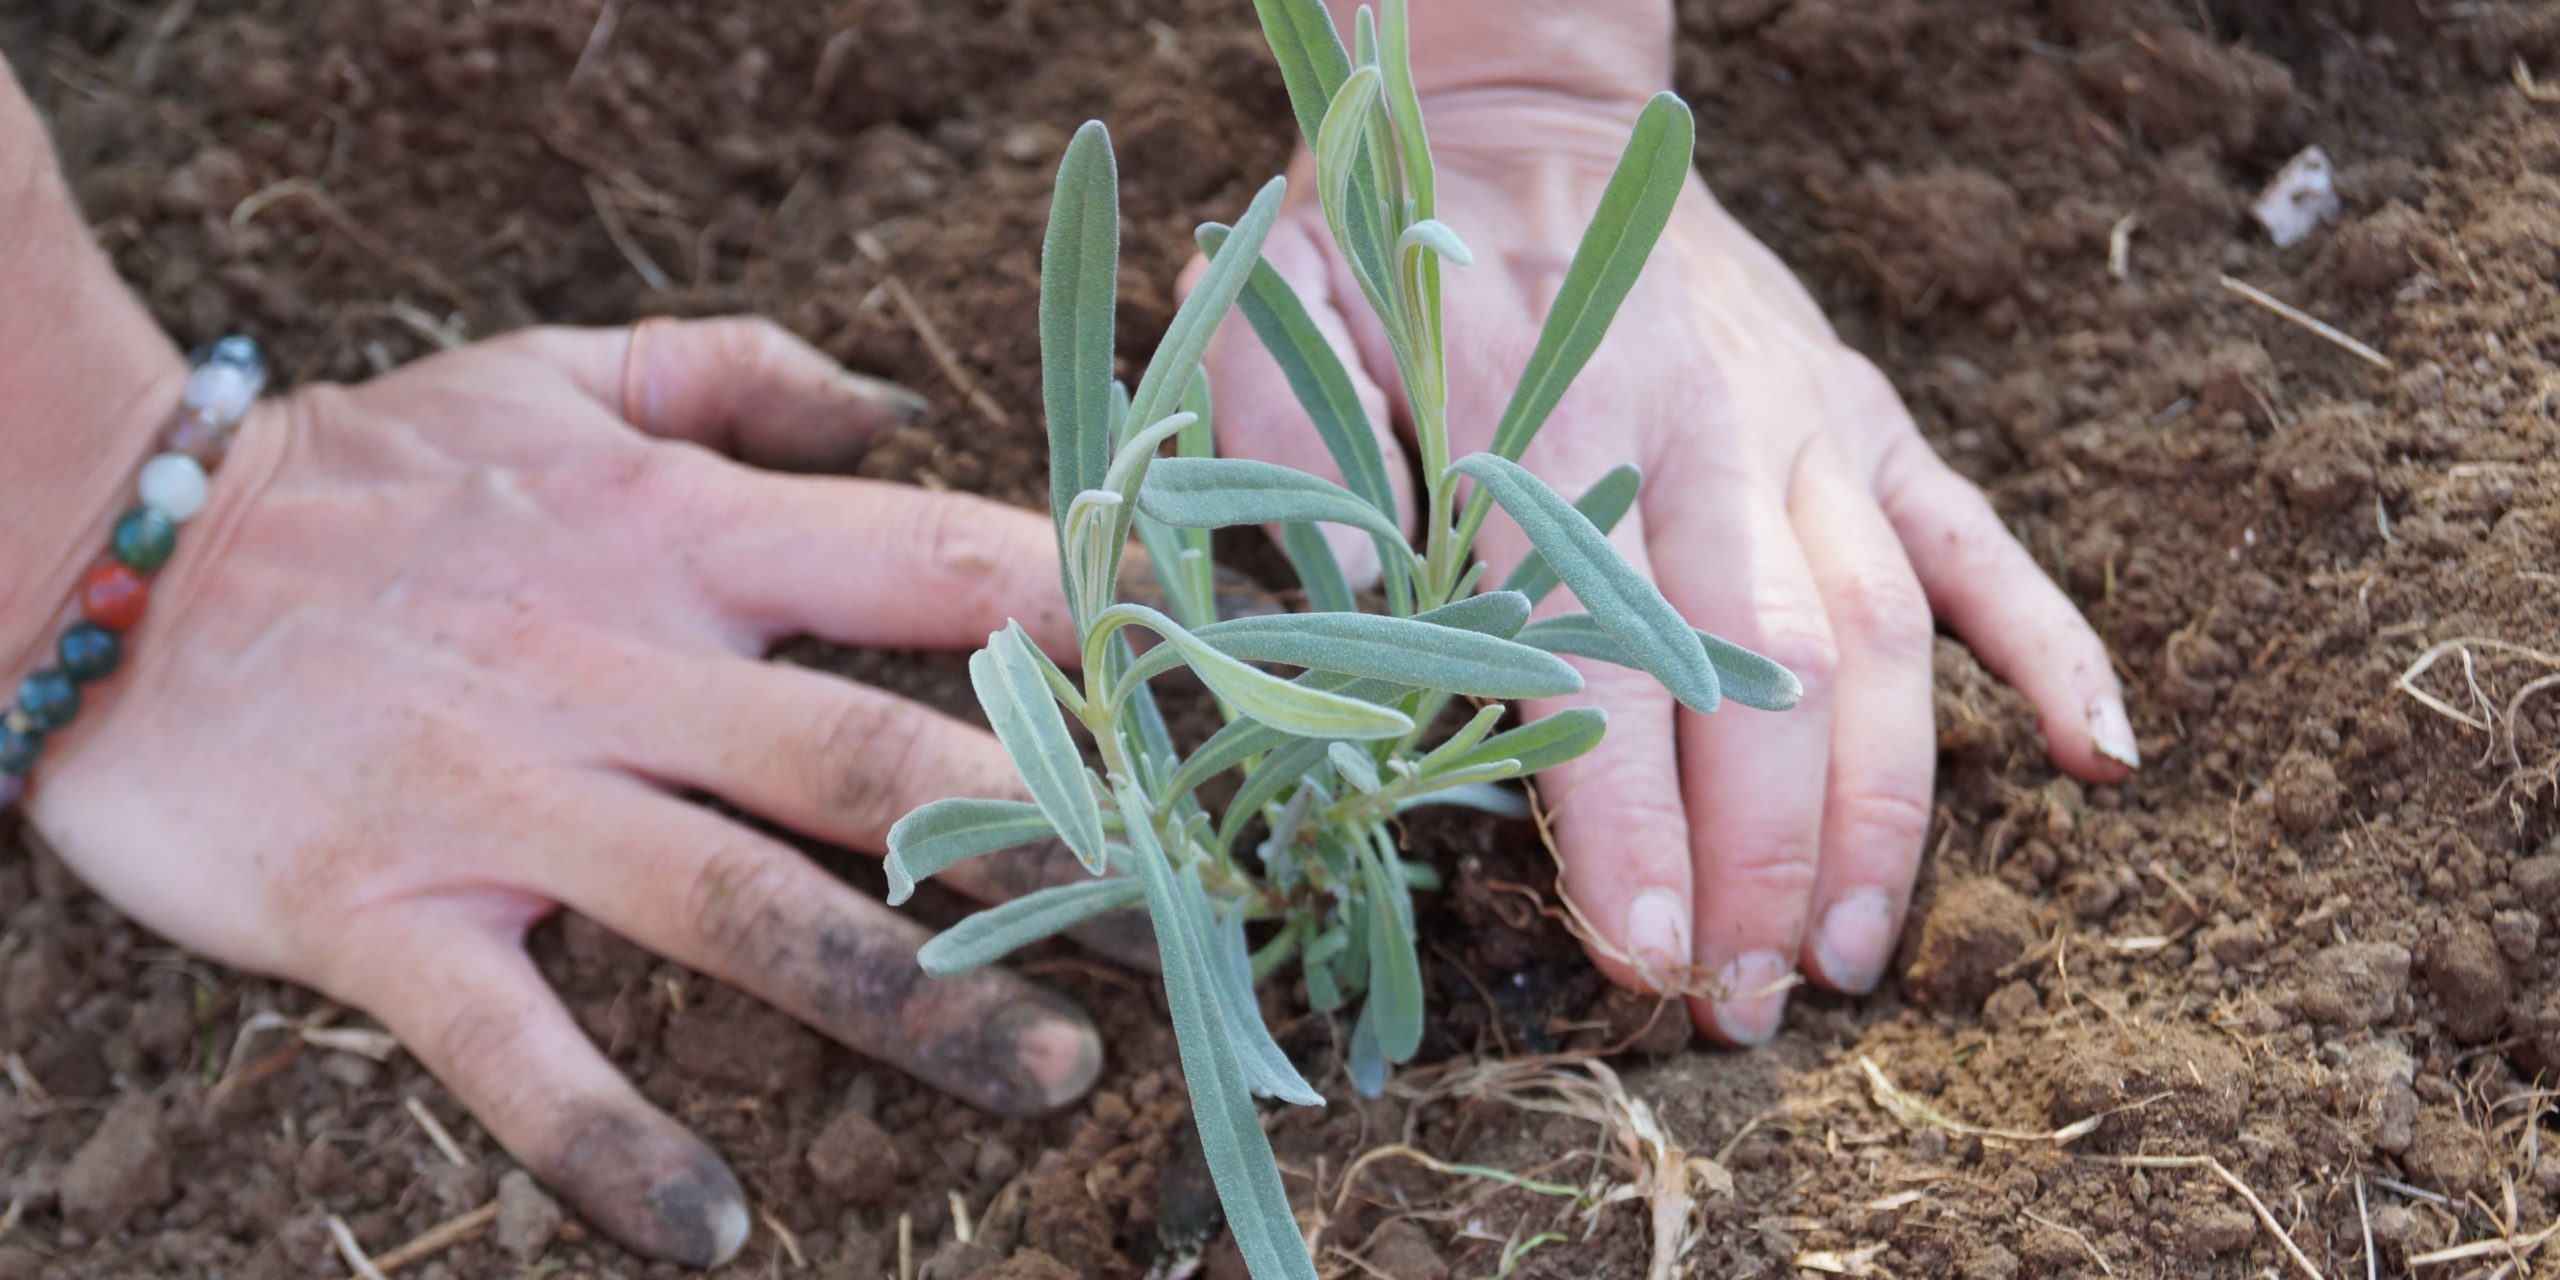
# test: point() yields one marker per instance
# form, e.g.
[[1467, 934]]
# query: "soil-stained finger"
[[708, 893], [462, 995]]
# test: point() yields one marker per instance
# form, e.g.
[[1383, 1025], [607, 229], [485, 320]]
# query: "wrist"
[[1607, 53], [88, 380]]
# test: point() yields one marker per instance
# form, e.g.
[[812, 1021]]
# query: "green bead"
[[89, 652], [49, 699], [19, 749], [144, 538]]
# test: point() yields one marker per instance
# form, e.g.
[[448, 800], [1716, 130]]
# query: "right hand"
[[449, 650]]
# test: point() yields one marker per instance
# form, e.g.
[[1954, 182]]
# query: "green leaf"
[[1743, 676], [1128, 466], [1312, 559], [1634, 208], [1367, 1063], [1605, 503], [1437, 237], [1239, 1154], [1408, 651], [1478, 794], [1542, 743], [1395, 973], [1324, 995], [1630, 608], [1001, 930], [1079, 286], [1395, 58], [1026, 720], [1341, 154], [1289, 707], [1495, 613], [935, 837], [1312, 58], [1215, 493]]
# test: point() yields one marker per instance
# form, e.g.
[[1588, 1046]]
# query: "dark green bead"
[[145, 537], [49, 699], [89, 651], [19, 749]]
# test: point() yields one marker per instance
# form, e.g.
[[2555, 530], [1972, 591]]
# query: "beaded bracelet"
[[225, 381]]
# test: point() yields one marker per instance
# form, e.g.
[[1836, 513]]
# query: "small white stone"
[[175, 484], [222, 392], [2302, 199]]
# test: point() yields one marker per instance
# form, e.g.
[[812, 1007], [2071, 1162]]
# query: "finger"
[[860, 562], [708, 893], [462, 996], [1753, 783], [741, 385], [1875, 814], [840, 762], [1617, 810], [2021, 624], [1259, 415]]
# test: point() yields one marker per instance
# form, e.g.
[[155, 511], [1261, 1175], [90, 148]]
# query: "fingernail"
[[1758, 983], [2113, 732], [1855, 941], [1063, 1057], [897, 401], [700, 1217], [1658, 934]]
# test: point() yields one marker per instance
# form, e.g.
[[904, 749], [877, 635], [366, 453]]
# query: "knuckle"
[[1887, 814], [736, 896], [1799, 638], [1776, 867], [859, 760], [1879, 608], [484, 1046]]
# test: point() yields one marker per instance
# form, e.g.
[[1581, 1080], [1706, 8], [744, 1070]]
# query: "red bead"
[[114, 596]]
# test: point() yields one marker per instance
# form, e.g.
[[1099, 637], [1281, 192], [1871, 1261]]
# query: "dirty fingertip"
[[2111, 732], [652, 1185], [887, 398], [1061, 1055]]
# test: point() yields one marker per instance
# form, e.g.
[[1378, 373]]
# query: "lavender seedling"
[[1328, 757]]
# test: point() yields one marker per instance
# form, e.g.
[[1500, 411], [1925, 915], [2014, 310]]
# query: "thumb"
[[1261, 414]]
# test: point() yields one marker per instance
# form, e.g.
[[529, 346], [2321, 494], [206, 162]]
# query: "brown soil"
[[2308, 941]]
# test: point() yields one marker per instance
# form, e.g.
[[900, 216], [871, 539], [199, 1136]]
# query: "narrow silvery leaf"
[[1001, 930], [1464, 740], [1292, 708], [1027, 721], [1312, 59], [1324, 994], [1743, 676], [1630, 608], [1634, 208], [1437, 237], [1177, 357], [1339, 149], [1215, 493], [1183, 597], [1605, 503], [1395, 59], [1540, 744], [1495, 613], [1079, 283], [1239, 1154], [1316, 374], [1266, 1067], [935, 837], [1407, 651], [1242, 740], [1312, 557], [1266, 782], [1127, 466], [1367, 1063], [1395, 973], [1483, 797], [1355, 766]]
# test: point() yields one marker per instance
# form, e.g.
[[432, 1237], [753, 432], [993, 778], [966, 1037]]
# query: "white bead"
[[222, 392], [174, 484]]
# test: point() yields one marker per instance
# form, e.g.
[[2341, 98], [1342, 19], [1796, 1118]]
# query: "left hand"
[[1789, 505]]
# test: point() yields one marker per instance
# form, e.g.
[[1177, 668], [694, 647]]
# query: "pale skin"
[[450, 650]]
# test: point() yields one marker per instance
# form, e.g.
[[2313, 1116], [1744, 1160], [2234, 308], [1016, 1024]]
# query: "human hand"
[[449, 648], [1789, 505]]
